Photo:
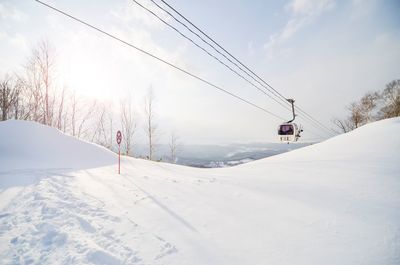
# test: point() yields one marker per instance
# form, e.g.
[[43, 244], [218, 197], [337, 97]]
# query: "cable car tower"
[[289, 131]]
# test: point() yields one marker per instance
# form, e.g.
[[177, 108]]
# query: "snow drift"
[[337, 202], [26, 144]]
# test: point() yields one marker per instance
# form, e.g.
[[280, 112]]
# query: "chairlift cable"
[[158, 59], [210, 54], [308, 116], [207, 52], [213, 47]]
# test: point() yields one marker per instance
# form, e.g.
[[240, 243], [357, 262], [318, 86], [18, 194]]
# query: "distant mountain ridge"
[[210, 156]]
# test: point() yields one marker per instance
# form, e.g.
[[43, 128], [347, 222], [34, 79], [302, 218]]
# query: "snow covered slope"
[[26, 144], [337, 202]]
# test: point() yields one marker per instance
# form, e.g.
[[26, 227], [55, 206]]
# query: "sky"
[[323, 53]]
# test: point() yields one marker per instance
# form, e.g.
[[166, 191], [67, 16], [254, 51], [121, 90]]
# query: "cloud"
[[11, 13], [362, 8], [15, 40], [302, 14], [310, 7], [131, 12], [250, 48], [86, 56]]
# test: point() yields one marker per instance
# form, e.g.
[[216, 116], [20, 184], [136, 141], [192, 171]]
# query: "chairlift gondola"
[[289, 131]]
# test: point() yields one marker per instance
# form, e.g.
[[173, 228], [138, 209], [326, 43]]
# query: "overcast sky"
[[323, 53]]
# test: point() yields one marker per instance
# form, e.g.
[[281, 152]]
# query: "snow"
[[336, 202], [27, 145]]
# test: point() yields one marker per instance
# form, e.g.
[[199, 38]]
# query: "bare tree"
[[74, 118], [368, 104], [60, 120], [174, 146], [32, 92], [391, 98], [128, 123], [86, 115], [99, 133], [9, 93], [38, 83], [150, 123], [354, 120], [45, 63], [356, 115], [111, 135], [104, 127], [22, 105], [343, 125], [80, 111]]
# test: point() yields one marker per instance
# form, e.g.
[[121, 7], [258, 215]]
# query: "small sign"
[[119, 139]]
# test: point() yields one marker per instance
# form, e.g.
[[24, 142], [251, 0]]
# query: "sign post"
[[119, 139]]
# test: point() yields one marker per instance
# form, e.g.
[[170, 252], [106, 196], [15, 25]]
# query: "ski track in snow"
[[44, 224]]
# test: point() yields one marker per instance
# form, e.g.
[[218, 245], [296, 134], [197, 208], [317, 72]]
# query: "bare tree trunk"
[[73, 113], [151, 127], [174, 146], [60, 115], [128, 123], [45, 64]]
